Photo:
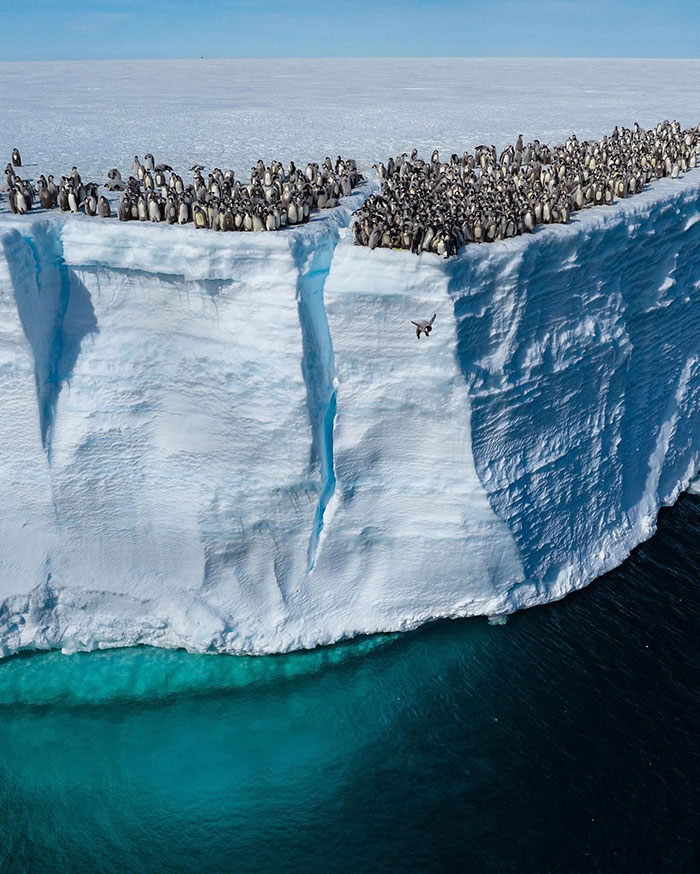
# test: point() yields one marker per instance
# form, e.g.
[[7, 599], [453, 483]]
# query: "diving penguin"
[[424, 327]]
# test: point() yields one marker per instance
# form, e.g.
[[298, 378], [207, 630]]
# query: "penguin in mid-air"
[[424, 327]]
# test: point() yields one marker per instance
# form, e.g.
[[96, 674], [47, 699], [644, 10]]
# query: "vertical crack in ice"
[[35, 280], [55, 312], [329, 480], [313, 258], [42, 375], [55, 352], [318, 368]]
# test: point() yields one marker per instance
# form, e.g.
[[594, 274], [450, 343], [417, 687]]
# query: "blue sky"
[[66, 29]]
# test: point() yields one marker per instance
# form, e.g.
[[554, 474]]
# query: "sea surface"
[[567, 740]]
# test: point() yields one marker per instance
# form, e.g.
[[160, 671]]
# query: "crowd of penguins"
[[274, 199], [422, 206], [433, 206]]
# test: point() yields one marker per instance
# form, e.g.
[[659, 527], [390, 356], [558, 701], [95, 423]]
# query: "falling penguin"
[[424, 327]]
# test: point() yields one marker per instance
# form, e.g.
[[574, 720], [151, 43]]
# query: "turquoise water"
[[567, 740]]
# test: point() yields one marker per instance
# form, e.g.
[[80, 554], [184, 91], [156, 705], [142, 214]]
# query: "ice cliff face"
[[235, 442]]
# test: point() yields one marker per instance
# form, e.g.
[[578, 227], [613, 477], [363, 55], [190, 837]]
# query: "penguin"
[[171, 211], [63, 204], [73, 203], [103, 207], [21, 204], [28, 193], [45, 198], [199, 216], [16, 159], [124, 209], [154, 210], [375, 238], [417, 238], [357, 234], [424, 327]]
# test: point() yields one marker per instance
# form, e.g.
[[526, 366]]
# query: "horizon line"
[[356, 58]]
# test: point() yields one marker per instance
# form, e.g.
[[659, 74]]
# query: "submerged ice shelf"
[[236, 443]]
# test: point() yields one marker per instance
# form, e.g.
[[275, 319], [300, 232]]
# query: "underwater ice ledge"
[[236, 443]]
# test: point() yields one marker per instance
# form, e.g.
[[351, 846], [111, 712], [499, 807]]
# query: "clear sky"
[[66, 29]]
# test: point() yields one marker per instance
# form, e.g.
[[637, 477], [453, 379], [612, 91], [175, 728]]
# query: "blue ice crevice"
[[55, 311], [313, 259]]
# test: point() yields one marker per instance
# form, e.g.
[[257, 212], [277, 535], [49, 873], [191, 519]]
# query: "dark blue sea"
[[567, 740]]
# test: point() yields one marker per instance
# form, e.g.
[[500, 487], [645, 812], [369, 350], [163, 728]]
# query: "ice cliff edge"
[[236, 443]]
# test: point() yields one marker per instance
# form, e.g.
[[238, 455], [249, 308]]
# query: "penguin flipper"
[[417, 332], [433, 319], [415, 323]]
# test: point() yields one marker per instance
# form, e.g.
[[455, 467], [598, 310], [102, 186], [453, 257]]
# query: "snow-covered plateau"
[[235, 442]]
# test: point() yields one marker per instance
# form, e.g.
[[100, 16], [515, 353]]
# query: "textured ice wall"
[[579, 347], [235, 442], [582, 353]]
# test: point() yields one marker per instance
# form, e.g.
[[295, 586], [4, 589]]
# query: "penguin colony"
[[70, 196], [274, 198], [432, 206]]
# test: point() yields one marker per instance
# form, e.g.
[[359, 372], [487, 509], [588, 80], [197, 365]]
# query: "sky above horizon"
[[91, 29]]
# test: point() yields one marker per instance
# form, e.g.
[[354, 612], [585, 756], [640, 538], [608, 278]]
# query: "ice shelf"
[[235, 442]]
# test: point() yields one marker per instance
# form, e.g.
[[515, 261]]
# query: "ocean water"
[[564, 741]]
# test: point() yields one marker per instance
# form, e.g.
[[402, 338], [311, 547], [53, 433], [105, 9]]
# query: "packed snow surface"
[[236, 442], [229, 113]]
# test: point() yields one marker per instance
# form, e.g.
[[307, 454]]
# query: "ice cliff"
[[235, 442]]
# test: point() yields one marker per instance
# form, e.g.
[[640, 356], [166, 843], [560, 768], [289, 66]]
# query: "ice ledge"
[[247, 450], [181, 251]]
